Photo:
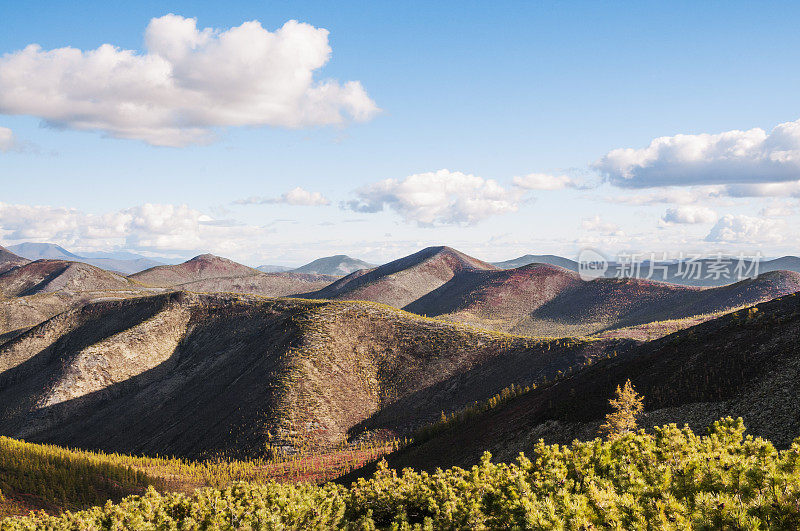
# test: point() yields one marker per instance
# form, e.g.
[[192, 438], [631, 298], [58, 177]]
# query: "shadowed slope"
[[47, 276], [199, 375], [743, 364]]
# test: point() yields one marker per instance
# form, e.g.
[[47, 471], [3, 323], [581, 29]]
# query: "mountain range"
[[212, 358]]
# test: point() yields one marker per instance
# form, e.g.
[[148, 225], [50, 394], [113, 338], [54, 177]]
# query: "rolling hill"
[[401, 282], [9, 260], [265, 284], [47, 276], [200, 375], [202, 267], [743, 364], [338, 265]]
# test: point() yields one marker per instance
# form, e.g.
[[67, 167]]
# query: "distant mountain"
[[273, 268], [119, 261], [403, 281], [339, 265], [703, 272], [202, 267], [551, 259], [9, 260], [39, 251]]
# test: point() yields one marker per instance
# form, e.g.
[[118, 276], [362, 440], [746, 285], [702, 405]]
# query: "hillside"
[[743, 364], [401, 282], [48, 276], [605, 304], [9, 260], [265, 284], [273, 268], [202, 267], [528, 259], [339, 265], [199, 375]]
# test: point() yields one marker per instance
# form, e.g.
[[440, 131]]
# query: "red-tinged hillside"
[[505, 295], [605, 304], [203, 267], [401, 282], [48, 276]]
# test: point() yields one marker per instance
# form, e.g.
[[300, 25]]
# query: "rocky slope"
[[743, 364], [199, 375]]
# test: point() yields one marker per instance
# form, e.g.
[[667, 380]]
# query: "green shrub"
[[668, 479]]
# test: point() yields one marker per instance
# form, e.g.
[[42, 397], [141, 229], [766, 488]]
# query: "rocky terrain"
[[745, 364], [199, 375]]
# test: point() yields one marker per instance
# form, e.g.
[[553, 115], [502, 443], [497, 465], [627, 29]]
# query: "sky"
[[279, 132]]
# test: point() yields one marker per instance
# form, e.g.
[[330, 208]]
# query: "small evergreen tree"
[[627, 405]]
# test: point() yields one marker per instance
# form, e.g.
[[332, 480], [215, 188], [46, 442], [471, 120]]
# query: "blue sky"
[[471, 95]]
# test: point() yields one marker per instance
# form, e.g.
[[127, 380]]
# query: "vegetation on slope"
[[35, 476], [670, 479]]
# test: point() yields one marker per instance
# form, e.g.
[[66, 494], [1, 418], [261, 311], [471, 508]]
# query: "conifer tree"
[[626, 406]]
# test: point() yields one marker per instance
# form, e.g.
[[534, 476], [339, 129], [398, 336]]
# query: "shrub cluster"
[[670, 479]]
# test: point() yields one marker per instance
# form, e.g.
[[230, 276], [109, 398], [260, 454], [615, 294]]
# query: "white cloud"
[[689, 214], [440, 197], [779, 208], [544, 181], [598, 224], [188, 82], [752, 156], [296, 197], [746, 229], [671, 195], [7, 140], [148, 226]]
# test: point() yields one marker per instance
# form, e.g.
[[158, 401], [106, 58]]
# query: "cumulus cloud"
[[544, 181], [296, 197], [440, 197], [746, 229], [187, 82], [752, 156], [148, 226], [689, 214], [7, 140]]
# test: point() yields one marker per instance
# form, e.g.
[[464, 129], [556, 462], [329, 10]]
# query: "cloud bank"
[[732, 157], [440, 197], [295, 197], [148, 226], [188, 82]]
